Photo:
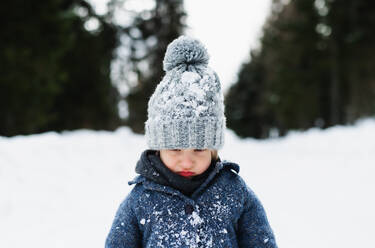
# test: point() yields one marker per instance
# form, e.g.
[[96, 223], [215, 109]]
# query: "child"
[[185, 196]]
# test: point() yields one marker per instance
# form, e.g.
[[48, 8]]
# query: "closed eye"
[[199, 150]]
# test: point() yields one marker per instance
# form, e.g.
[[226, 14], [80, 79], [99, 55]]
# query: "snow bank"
[[62, 190]]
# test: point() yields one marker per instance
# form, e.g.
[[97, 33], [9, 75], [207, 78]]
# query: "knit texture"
[[187, 107], [222, 213]]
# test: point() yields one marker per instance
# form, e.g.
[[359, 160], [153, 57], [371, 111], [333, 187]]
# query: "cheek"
[[170, 162], [205, 162]]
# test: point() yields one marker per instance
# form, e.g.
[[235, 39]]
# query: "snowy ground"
[[62, 191]]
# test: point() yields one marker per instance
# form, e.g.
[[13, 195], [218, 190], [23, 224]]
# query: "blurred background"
[[299, 85], [72, 64]]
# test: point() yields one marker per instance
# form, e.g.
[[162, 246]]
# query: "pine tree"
[[244, 101], [292, 58], [33, 40], [54, 73], [89, 99], [149, 34], [352, 52], [313, 69], [282, 74]]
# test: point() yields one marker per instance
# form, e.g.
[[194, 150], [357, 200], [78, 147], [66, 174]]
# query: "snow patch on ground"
[[62, 190]]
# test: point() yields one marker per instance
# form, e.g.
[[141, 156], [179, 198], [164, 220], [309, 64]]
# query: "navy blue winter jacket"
[[222, 212]]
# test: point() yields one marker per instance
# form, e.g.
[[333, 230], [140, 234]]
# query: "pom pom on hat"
[[185, 51]]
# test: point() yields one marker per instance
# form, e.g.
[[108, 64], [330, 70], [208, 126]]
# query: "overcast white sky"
[[229, 29]]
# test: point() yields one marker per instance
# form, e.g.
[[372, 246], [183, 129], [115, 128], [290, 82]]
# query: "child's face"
[[186, 162]]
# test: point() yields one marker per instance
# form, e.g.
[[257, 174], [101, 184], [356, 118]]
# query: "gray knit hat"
[[186, 109]]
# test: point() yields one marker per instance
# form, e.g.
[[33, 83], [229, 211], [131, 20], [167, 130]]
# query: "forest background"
[[64, 66]]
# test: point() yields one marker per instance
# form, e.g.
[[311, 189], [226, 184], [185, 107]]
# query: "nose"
[[187, 162]]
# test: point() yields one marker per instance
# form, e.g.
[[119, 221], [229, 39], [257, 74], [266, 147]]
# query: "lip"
[[186, 173]]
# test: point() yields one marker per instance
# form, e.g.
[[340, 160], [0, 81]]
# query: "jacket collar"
[[166, 189]]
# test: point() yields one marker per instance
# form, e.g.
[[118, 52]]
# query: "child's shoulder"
[[137, 190], [231, 166], [234, 181], [230, 169], [136, 194], [230, 175]]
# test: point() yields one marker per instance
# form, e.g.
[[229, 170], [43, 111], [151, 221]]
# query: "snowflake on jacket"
[[222, 212]]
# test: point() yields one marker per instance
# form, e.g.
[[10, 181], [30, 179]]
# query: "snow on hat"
[[187, 108]]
